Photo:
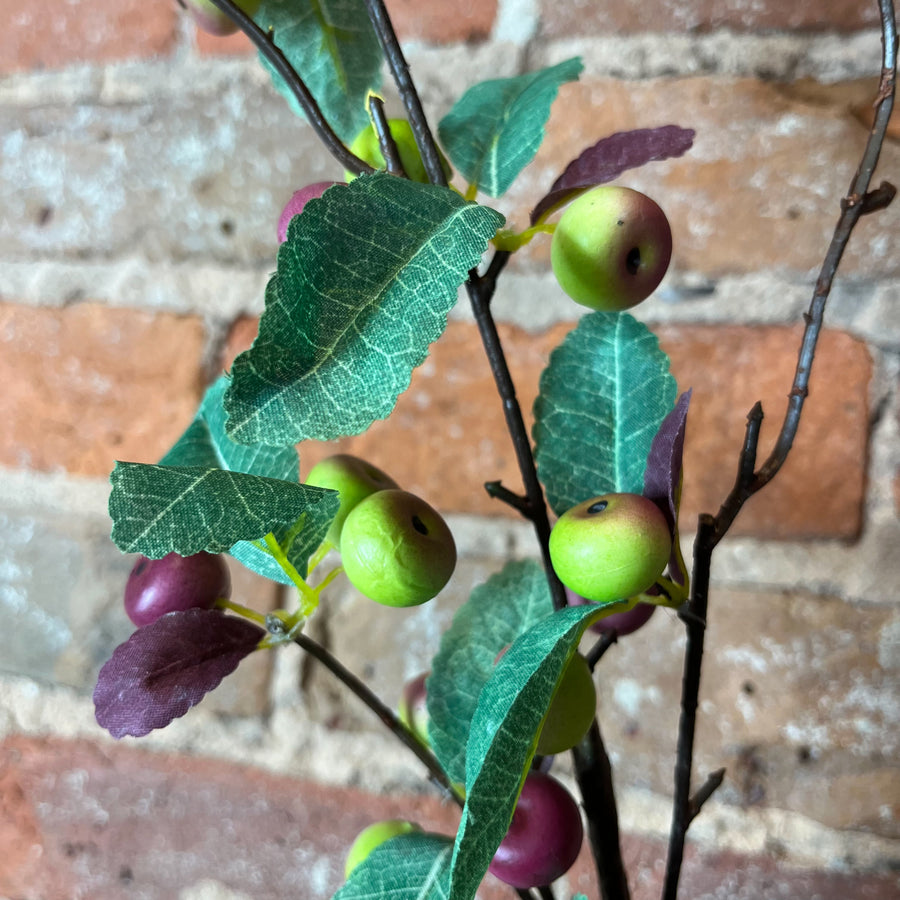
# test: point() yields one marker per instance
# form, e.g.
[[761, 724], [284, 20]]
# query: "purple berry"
[[296, 204], [623, 622], [544, 836], [173, 584]]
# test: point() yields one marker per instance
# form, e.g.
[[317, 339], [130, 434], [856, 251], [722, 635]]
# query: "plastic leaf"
[[602, 398], [665, 460], [298, 541], [365, 280], [502, 742], [206, 443], [496, 127], [609, 158], [496, 613], [332, 45], [414, 866], [167, 667], [158, 509]]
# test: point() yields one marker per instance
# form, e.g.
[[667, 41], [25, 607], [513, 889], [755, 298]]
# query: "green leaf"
[[602, 398], [299, 541], [496, 613], [412, 866], [365, 280], [511, 709], [332, 45], [158, 509], [496, 127], [205, 443]]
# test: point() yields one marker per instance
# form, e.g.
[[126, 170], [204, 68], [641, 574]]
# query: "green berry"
[[611, 248], [354, 479], [396, 549], [611, 547]]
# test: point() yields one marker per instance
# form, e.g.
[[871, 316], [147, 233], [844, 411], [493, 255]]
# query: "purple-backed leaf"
[[167, 667], [610, 157], [664, 460], [663, 472]]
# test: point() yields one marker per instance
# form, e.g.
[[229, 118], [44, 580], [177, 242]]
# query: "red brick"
[[439, 22], [433, 22], [85, 385], [118, 821], [231, 45], [760, 189], [111, 821], [446, 436], [820, 490], [47, 34], [582, 17]]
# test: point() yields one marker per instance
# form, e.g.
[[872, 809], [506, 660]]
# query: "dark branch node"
[[604, 642], [496, 490], [878, 199], [709, 787]]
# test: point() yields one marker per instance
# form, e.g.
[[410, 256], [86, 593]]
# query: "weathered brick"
[[44, 34], [433, 22], [116, 821], [441, 23], [191, 175], [230, 45], [86, 385], [582, 17], [798, 697], [819, 491], [760, 190], [162, 825], [761, 187], [446, 436]]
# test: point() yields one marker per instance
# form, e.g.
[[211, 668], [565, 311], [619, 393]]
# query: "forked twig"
[[750, 479], [265, 43]]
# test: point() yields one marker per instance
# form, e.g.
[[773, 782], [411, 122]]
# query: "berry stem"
[[309, 597], [244, 611]]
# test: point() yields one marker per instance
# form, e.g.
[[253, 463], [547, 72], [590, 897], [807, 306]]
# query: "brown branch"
[[602, 644], [594, 776], [382, 711], [711, 529], [707, 789], [264, 42], [386, 142]]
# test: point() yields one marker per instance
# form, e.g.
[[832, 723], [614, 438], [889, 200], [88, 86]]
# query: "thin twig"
[[857, 203], [711, 529], [266, 46], [386, 142], [497, 491], [384, 28], [480, 293], [707, 789], [604, 642], [384, 712], [594, 776]]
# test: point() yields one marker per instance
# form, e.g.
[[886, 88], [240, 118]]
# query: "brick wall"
[[142, 171]]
